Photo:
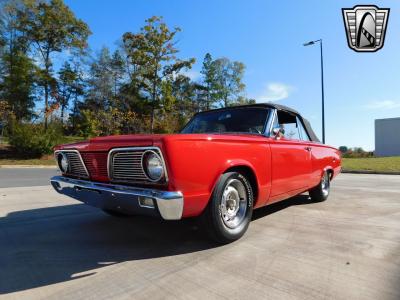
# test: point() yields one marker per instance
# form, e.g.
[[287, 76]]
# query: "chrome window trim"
[[305, 130], [127, 149], [80, 158], [270, 124]]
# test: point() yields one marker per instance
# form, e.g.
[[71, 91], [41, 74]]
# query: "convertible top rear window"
[[234, 120]]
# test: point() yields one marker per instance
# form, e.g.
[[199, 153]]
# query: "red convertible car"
[[224, 163]]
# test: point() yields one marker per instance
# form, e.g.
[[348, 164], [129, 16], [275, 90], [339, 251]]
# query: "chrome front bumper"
[[122, 198]]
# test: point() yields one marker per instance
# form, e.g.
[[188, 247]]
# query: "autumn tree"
[[140, 86], [51, 27], [152, 54]]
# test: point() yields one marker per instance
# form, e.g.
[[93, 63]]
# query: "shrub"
[[357, 152], [31, 140], [343, 149]]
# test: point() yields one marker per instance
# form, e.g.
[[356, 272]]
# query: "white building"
[[387, 137]]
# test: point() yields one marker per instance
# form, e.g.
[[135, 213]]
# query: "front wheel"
[[321, 191], [229, 211]]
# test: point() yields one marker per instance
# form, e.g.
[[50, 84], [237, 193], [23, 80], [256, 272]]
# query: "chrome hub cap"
[[325, 184], [233, 203]]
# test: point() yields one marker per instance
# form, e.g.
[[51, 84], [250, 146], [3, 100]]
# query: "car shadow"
[[45, 246], [302, 199]]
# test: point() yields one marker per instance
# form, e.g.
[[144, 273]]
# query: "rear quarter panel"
[[195, 163], [323, 158]]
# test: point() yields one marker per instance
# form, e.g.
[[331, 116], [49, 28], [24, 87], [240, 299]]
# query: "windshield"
[[238, 120]]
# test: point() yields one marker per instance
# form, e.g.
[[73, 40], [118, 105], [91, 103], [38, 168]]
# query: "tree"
[[100, 82], [209, 81], [117, 69], [106, 79], [78, 92], [185, 92], [51, 27], [228, 80], [17, 70], [222, 82], [152, 53], [241, 100], [68, 86], [6, 116]]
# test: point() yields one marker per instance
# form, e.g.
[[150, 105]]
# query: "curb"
[[27, 167], [370, 172]]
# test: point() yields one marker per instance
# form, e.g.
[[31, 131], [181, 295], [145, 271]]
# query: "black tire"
[[321, 191], [115, 213], [219, 218]]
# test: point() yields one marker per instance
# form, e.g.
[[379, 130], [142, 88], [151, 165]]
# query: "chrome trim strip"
[[169, 203], [80, 158], [268, 131], [158, 150]]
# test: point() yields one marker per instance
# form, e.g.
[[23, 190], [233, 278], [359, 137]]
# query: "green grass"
[[376, 164]]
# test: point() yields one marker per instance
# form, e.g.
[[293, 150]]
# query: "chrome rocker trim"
[[121, 198]]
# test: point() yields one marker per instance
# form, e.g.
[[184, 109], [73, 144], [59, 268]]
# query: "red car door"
[[291, 159]]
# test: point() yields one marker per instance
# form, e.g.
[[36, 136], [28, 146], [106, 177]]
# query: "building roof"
[[388, 119]]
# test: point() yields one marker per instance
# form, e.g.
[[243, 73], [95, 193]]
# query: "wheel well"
[[249, 174], [330, 172]]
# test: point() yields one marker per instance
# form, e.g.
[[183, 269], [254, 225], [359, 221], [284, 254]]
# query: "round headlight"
[[153, 165], [62, 161]]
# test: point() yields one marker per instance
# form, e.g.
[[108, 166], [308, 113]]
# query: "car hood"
[[143, 140], [108, 142]]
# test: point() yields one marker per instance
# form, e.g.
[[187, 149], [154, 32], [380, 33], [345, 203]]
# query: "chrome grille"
[[126, 164], [76, 166]]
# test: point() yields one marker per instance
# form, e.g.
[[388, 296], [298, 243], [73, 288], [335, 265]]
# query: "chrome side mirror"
[[278, 132]]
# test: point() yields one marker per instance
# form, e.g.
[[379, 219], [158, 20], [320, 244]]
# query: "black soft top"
[[306, 123]]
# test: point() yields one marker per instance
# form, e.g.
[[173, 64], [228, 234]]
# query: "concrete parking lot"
[[51, 247]]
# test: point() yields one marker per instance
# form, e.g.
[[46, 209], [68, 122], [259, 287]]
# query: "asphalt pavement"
[[25, 177], [348, 247]]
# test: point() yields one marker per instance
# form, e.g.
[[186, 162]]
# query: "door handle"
[[307, 148]]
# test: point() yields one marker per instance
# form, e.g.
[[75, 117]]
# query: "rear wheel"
[[321, 191], [230, 208]]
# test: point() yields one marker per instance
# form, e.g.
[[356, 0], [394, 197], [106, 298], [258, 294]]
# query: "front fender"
[[196, 165]]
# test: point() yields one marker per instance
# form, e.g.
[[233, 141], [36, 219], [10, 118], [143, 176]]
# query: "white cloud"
[[275, 91], [385, 104], [192, 74]]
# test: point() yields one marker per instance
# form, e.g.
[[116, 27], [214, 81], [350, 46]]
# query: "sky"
[[267, 36]]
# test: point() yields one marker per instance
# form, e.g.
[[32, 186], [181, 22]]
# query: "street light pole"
[[322, 86]]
